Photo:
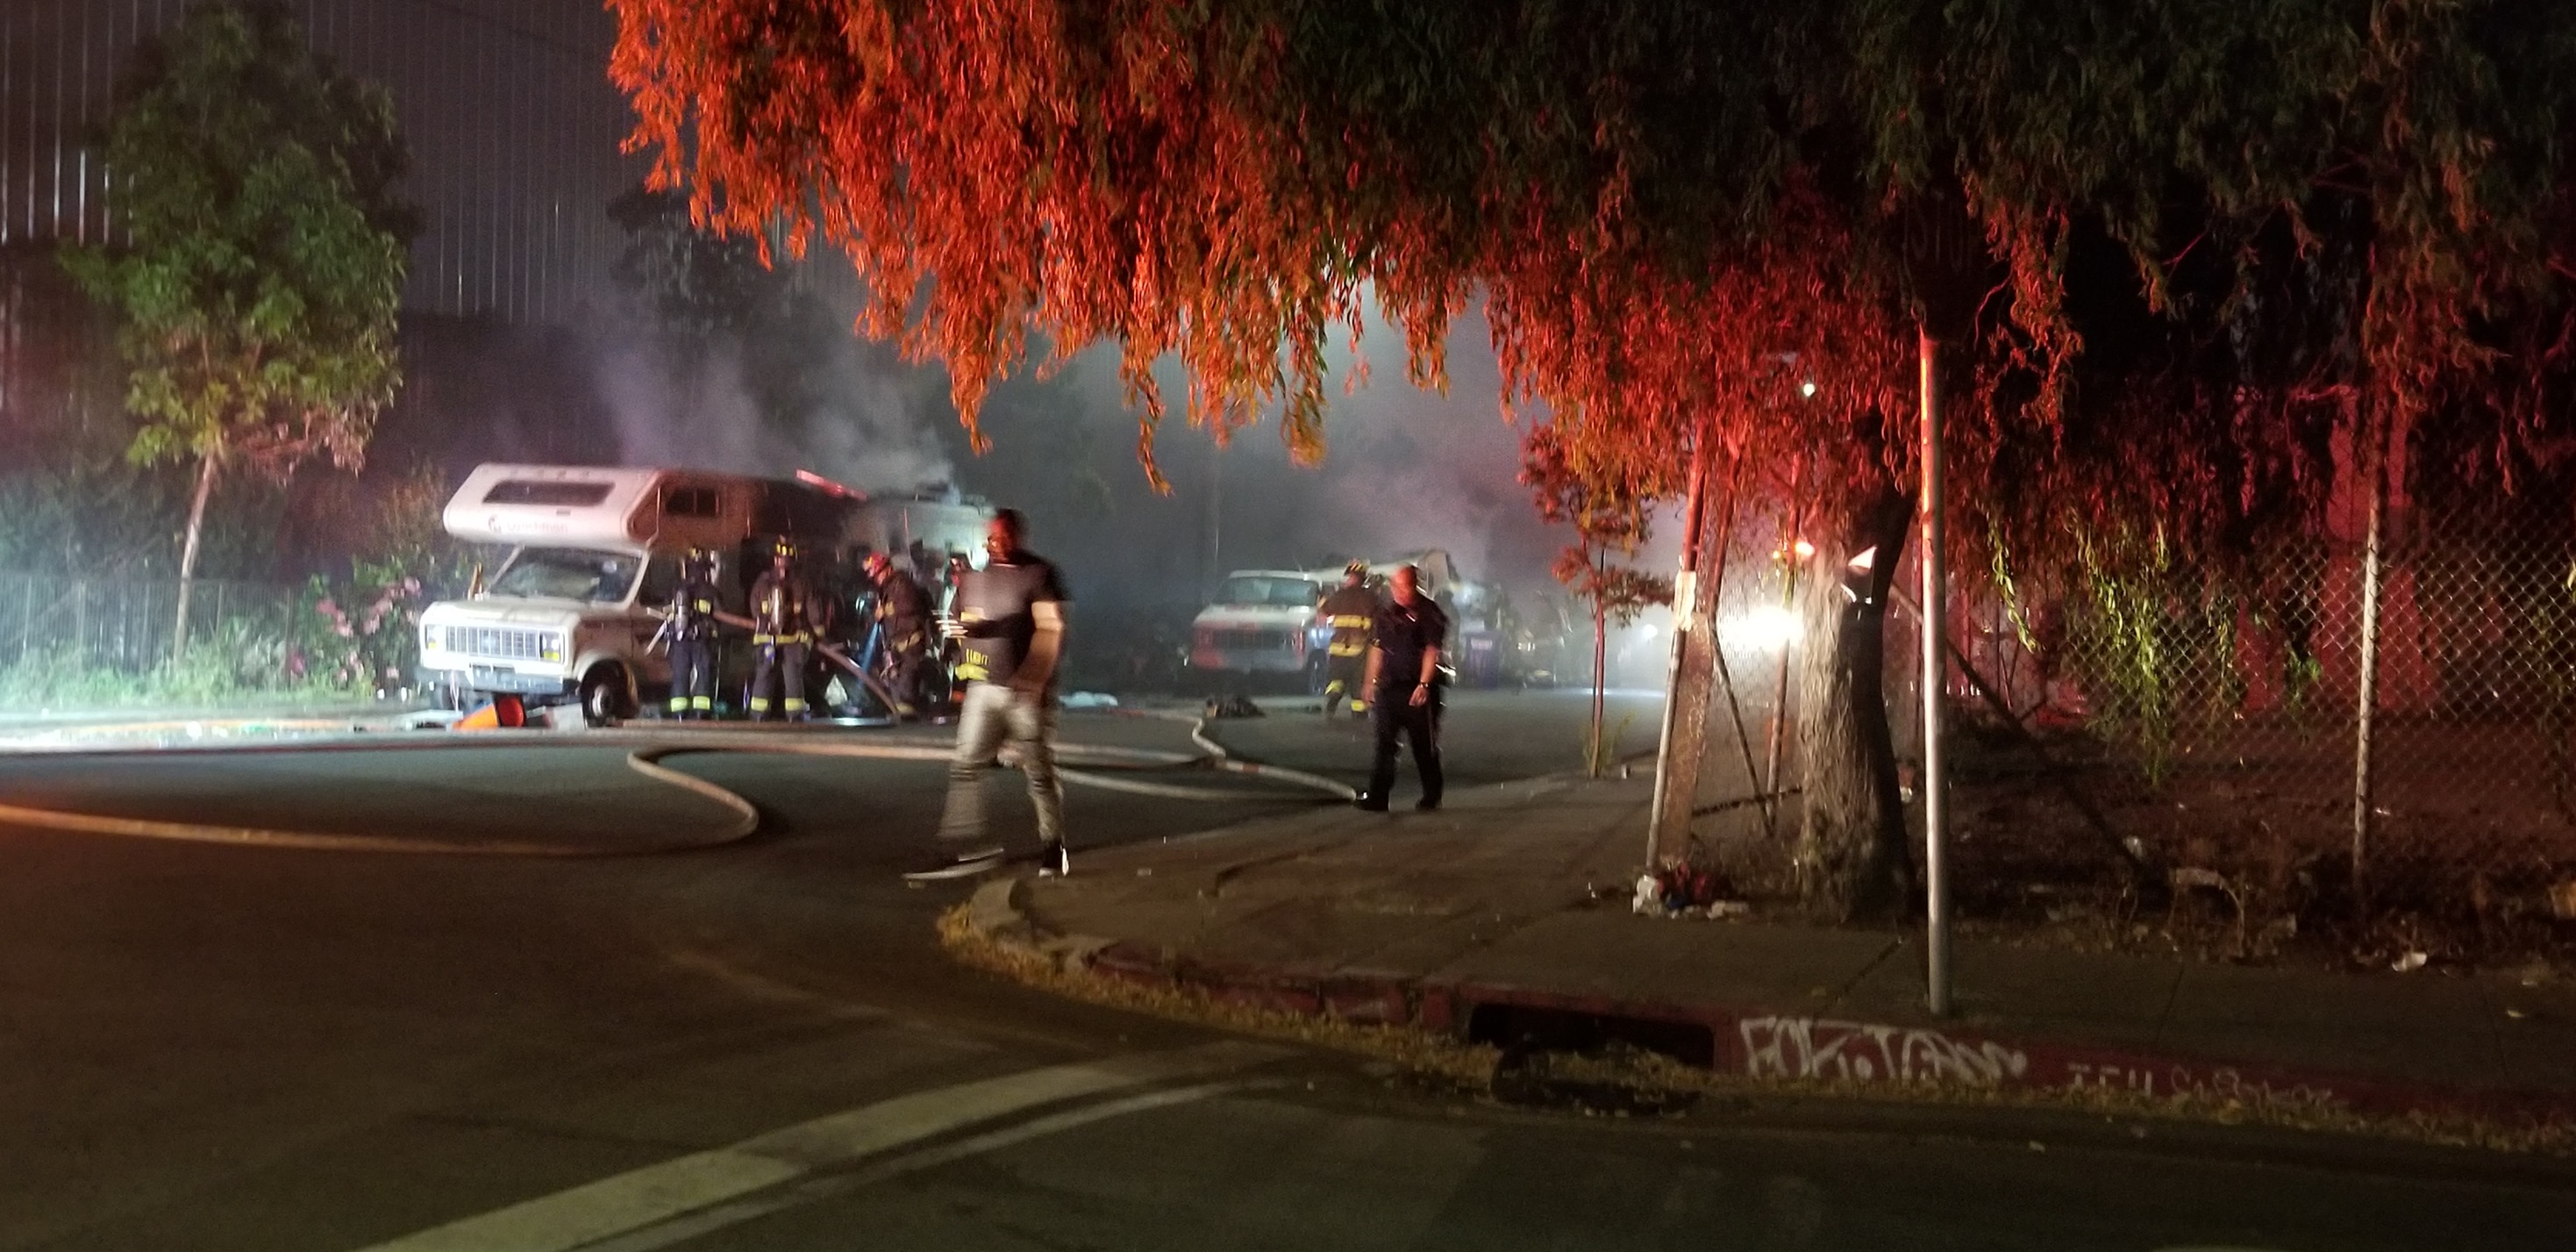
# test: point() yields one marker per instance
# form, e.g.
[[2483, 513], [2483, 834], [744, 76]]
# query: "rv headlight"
[[430, 638], [550, 647]]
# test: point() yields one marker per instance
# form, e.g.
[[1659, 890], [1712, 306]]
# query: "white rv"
[[564, 618]]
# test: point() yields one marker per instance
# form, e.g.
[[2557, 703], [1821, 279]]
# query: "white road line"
[[706, 1221], [656, 1193]]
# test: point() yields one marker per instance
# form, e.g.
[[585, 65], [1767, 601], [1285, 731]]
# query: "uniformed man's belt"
[[799, 637]]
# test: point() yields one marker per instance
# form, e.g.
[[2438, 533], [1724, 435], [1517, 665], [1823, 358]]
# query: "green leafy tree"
[[261, 255]]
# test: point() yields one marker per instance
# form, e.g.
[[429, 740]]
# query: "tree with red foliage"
[[2171, 251]]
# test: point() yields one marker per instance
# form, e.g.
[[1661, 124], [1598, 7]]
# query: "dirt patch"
[[2234, 855]]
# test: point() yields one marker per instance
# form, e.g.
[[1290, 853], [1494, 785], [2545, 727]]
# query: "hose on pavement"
[[650, 748]]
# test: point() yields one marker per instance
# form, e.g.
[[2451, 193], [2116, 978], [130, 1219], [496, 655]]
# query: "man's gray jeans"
[[991, 715]]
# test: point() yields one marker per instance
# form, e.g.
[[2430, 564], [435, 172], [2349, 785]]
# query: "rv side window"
[[546, 494], [690, 502]]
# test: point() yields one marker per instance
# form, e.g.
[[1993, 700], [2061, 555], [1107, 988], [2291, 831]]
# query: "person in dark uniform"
[[1404, 684], [782, 633], [692, 618], [903, 629], [1350, 610]]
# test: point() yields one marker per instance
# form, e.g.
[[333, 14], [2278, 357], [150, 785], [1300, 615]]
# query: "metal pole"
[[1788, 605], [2374, 468], [1936, 870]]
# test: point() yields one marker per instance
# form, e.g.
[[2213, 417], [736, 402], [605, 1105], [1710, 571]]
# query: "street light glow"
[[1763, 628]]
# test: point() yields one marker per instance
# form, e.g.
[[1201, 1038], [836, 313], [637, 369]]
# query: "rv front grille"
[[505, 644], [1243, 639]]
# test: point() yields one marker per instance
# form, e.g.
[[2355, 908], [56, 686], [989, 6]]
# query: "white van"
[[1262, 621], [564, 618], [1266, 621]]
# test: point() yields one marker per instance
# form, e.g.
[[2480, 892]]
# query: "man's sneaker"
[[959, 865], [1427, 805], [1052, 861], [1370, 804]]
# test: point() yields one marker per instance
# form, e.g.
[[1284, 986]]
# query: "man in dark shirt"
[[1010, 617], [1404, 683]]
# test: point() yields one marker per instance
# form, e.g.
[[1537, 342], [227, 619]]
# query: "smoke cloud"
[[1407, 469], [869, 425]]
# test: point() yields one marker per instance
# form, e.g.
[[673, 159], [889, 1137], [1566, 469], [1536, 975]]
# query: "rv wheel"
[[604, 698]]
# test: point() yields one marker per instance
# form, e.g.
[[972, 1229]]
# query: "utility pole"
[[1936, 869], [2374, 464]]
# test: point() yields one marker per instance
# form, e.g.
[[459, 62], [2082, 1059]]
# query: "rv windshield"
[[1256, 589], [568, 574]]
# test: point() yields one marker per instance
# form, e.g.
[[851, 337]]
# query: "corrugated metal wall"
[[513, 127]]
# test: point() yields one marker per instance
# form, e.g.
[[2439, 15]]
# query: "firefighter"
[[903, 629], [951, 653], [690, 625], [782, 634], [1348, 610]]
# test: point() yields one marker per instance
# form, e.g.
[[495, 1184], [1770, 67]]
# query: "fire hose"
[[650, 748]]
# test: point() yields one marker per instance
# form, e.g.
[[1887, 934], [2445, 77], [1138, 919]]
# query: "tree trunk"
[[1600, 676], [1852, 857], [188, 553]]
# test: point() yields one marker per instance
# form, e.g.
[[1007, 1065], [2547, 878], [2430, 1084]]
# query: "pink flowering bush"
[[363, 632]]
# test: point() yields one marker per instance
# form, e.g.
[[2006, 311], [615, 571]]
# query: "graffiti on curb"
[[1809, 1047], [2217, 1083]]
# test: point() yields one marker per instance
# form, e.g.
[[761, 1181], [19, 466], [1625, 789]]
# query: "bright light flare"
[[1766, 628], [1807, 390]]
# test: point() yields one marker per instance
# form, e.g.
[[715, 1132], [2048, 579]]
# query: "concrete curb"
[[1792, 1046]]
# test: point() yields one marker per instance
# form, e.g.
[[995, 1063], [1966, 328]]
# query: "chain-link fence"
[[123, 625], [1746, 809], [2174, 759]]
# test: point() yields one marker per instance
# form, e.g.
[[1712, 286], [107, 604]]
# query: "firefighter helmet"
[[700, 563], [783, 549], [1356, 569]]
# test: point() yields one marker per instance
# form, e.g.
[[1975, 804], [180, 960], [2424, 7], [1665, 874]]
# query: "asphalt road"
[[759, 1047]]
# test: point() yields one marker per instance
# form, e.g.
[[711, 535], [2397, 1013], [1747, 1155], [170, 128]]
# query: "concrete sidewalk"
[[1512, 905]]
